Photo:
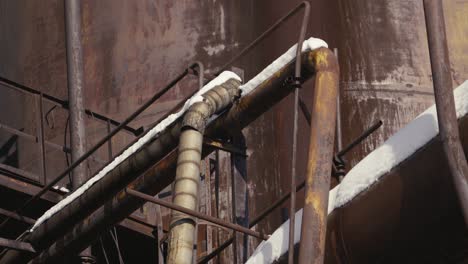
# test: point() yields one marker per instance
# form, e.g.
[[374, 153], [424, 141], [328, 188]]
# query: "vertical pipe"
[[75, 87], [322, 133], [185, 194], [182, 227], [75, 97], [445, 105], [339, 136]]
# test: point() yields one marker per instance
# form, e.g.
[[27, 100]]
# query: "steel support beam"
[[445, 104], [76, 96]]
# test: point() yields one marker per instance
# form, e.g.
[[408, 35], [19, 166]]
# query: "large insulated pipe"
[[185, 191], [243, 112], [75, 98], [447, 118], [322, 134]]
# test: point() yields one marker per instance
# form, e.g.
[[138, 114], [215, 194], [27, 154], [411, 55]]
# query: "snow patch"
[[389, 155], [275, 66], [61, 188], [223, 77], [213, 50]]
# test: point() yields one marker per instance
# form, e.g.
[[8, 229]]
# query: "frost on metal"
[[394, 151], [279, 63], [223, 77]]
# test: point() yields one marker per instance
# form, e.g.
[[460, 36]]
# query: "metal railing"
[[121, 126]]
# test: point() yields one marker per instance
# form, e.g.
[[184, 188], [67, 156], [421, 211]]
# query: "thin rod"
[[42, 140], [339, 136], [292, 209], [255, 42], [16, 245], [196, 214], [297, 83], [64, 104], [358, 140], [18, 217], [234, 207], [109, 143]]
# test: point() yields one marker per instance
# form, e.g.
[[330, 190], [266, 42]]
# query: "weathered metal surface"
[[123, 58], [130, 49]]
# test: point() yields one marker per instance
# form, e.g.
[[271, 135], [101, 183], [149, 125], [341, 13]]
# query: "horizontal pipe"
[[243, 112], [18, 217], [197, 214], [64, 104]]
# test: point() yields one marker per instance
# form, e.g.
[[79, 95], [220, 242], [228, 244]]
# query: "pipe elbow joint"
[[323, 60], [213, 102]]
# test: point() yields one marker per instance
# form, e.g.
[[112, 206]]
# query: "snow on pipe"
[[366, 173], [185, 191], [245, 111], [270, 70]]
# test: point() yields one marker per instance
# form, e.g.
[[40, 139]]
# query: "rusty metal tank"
[[133, 48]]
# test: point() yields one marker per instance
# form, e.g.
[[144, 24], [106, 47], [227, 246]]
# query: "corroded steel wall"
[[385, 74]]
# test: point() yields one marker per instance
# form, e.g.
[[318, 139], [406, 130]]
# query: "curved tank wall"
[[384, 74]]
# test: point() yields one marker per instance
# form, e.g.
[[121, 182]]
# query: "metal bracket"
[[225, 146]]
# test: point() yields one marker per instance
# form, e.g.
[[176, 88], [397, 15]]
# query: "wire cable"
[[116, 242]]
